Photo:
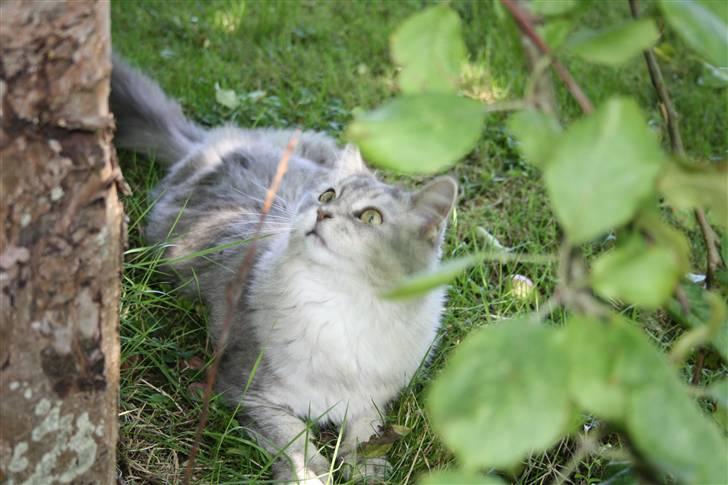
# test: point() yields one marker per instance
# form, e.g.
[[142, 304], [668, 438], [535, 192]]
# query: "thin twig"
[[671, 116], [698, 368], [711, 247], [525, 23], [232, 296]]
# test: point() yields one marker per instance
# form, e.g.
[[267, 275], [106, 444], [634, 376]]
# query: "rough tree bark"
[[60, 244]]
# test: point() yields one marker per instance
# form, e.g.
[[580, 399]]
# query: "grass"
[[313, 64]]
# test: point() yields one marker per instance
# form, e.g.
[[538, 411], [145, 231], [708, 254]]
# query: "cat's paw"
[[315, 472], [367, 470], [304, 477]]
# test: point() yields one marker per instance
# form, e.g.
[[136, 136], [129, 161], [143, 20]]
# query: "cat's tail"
[[146, 119]]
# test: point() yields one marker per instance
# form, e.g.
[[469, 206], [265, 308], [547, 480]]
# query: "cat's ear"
[[350, 161], [433, 204]]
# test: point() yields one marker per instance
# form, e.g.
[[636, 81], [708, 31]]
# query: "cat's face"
[[360, 225]]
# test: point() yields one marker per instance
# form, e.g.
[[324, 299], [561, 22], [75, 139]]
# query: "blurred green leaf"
[[615, 45], [502, 394], [429, 46], [625, 370], [718, 391], [724, 248], [537, 134], [690, 187], [698, 313], [551, 7], [459, 477], [671, 431], [638, 273], [713, 77], [419, 134], [700, 28], [421, 283], [555, 32], [610, 152], [595, 349]]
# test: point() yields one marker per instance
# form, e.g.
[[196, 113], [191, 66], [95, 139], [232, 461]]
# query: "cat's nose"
[[322, 214]]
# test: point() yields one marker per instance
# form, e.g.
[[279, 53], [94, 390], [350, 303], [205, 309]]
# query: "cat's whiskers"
[[278, 202], [283, 205]]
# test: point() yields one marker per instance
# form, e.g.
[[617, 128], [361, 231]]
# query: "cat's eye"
[[327, 196], [371, 216]]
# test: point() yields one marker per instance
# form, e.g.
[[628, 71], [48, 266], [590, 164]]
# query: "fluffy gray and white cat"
[[336, 237]]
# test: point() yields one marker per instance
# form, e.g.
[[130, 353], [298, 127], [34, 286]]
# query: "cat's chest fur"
[[337, 346]]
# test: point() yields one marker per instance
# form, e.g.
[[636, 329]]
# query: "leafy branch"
[[526, 383]]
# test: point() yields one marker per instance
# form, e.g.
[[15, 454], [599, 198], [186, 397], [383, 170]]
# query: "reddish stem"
[[232, 295], [525, 23]]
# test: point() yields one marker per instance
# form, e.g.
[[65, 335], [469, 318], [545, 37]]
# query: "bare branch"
[[232, 296]]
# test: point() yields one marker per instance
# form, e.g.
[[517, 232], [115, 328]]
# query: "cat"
[[331, 348]]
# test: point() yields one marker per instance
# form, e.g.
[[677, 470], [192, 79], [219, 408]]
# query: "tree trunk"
[[60, 244]]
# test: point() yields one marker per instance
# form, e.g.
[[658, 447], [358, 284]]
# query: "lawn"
[[314, 64]]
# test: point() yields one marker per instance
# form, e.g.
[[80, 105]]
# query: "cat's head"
[[357, 224]]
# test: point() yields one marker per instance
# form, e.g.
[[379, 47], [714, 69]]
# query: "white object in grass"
[[522, 287]]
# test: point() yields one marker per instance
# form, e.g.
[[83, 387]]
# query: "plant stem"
[[232, 295], [525, 23], [711, 247]]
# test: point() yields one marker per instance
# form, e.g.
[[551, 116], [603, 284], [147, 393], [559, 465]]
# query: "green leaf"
[[713, 77], [615, 45], [460, 477], [724, 248], [603, 170], [552, 7], [718, 391], [419, 134], [652, 403], [698, 314], [226, 97], [687, 187], [700, 28], [671, 431], [537, 134], [637, 273], [421, 283], [555, 32], [429, 46], [595, 349], [502, 394]]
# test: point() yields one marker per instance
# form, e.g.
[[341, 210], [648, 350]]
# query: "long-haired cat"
[[333, 350]]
